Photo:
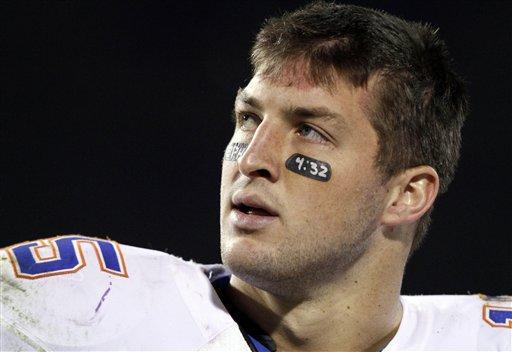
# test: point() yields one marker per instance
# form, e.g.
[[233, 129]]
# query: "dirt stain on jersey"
[[11, 284], [105, 294], [12, 293]]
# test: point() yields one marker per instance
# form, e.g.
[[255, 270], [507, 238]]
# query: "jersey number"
[[498, 317], [64, 255]]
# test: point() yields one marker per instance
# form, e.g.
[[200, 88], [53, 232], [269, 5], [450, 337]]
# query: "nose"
[[261, 159]]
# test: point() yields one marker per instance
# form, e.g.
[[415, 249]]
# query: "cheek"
[[324, 202], [226, 176], [311, 199]]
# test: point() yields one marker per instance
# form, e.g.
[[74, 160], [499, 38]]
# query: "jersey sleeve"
[[454, 323]]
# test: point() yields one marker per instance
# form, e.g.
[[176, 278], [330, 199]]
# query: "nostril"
[[263, 173]]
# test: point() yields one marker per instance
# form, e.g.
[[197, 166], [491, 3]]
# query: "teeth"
[[252, 211], [246, 209]]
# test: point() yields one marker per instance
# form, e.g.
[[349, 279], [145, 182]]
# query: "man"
[[344, 137]]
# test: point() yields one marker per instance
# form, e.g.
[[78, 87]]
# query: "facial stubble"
[[302, 262]]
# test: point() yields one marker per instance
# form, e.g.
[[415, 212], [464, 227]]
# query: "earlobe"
[[412, 193]]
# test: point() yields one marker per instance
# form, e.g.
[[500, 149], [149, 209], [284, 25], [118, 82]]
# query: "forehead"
[[341, 99], [299, 87]]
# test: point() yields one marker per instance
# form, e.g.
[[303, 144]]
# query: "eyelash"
[[239, 119]]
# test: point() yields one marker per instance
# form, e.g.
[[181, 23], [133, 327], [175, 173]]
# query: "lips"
[[251, 212], [252, 204]]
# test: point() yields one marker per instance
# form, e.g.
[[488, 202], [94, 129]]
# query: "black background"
[[114, 117]]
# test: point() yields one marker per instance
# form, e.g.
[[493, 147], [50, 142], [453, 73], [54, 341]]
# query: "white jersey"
[[454, 323], [81, 293]]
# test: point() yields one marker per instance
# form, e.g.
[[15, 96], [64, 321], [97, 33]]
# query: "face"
[[278, 226]]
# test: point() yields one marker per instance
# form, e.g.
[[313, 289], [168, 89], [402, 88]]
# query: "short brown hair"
[[419, 104]]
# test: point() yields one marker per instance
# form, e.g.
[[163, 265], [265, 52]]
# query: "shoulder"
[[481, 310], [474, 322], [94, 293]]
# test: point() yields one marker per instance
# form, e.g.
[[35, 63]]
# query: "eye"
[[310, 133], [247, 121]]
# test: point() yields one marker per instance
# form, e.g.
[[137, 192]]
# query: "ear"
[[410, 195]]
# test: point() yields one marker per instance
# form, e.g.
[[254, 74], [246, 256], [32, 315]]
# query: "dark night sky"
[[114, 117]]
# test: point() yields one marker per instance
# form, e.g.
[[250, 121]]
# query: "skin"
[[327, 274]]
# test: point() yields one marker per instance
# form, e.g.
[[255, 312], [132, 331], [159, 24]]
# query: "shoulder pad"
[[463, 322], [85, 293]]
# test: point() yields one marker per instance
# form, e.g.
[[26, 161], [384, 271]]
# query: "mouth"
[[252, 210], [250, 213]]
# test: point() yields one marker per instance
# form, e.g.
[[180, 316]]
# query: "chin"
[[245, 257], [256, 265], [237, 250]]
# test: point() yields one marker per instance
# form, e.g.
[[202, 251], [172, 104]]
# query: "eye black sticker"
[[235, 151], [309, 167]]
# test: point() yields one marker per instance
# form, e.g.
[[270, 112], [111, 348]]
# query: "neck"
[[359, 310]]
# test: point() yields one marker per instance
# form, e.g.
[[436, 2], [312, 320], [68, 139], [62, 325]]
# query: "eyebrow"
[[242, 96], [292, 112]]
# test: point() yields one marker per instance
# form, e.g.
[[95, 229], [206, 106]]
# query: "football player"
[[345, 135]]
